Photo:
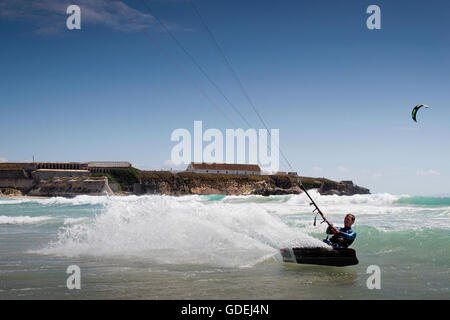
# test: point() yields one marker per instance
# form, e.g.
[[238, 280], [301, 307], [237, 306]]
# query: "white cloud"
[[429, 172], [49, 16], [170, 164], [343, 169], [3, 159], [371, 174]]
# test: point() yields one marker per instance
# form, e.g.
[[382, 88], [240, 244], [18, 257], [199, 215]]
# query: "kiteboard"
[[338, 257]]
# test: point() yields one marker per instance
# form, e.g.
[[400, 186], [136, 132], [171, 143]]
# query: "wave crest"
[[23, 219]]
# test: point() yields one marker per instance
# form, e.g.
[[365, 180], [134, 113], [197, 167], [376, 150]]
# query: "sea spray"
[[177, 230]]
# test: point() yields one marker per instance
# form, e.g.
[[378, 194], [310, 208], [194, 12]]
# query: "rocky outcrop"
[[51, 183], [164, 182], [70, 187], [346, 188], [18, 179], [10, 192]]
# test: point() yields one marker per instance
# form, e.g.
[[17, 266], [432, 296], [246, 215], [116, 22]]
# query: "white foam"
[[70, 221], [14, 201], [76, 201], [23, 219]]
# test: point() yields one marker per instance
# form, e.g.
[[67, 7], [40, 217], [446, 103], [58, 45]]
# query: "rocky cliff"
[[70, 187], [168, 183], [164, 182], [18, 183]]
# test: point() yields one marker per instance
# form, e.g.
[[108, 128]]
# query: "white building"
[[225, 168]]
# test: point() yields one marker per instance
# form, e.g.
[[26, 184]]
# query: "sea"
[[220, 247]]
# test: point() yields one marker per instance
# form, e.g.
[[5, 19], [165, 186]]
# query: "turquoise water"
[[214, 197], [426, 201], [219, 247]]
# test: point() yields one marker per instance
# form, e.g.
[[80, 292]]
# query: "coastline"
[[175, 184], [2, 196], [71, 179]]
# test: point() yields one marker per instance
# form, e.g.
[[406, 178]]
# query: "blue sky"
[[340, 94]]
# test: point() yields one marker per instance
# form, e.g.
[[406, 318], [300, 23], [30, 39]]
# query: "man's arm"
[[350, 235], [331, 229]]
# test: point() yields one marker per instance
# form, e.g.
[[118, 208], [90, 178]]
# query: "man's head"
[[349, 220]]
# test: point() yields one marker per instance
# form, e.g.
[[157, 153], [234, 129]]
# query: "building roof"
[[225, 166], [61, 170], [109, 164]]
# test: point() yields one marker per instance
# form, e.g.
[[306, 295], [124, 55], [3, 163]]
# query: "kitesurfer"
[[342, 237]]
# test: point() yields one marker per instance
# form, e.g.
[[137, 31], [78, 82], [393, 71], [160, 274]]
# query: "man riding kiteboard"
[[342, 237]]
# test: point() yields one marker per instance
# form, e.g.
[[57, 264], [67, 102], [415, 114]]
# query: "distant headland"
[[69, 179]]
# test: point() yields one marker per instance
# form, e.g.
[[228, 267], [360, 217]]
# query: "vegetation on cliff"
[[125, 179]]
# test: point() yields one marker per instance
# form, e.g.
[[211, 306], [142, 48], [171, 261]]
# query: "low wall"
[[41, 174]]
